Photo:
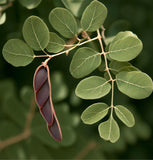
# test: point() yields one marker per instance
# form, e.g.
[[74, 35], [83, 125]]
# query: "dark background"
[[137, 142]]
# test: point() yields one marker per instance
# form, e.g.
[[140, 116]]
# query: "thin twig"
[[85, 35], [76, 45], [100, 41], [103, 34], [25, 134], [106, 66], [30, 114]]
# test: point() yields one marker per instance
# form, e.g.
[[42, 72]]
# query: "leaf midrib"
[[36, 35], [125, 49], [100, 86], [84, 61], [23, 55], [96, 113], [92, 17], [122, 115], [143, 87], [64, 24]]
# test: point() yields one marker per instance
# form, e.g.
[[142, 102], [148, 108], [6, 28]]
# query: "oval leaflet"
[[17, 53]]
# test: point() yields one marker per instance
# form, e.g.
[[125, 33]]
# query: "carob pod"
[[42, 89]]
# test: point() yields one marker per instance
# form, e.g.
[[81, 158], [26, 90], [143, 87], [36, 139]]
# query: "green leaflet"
[[125, 46], [94, 113], [109, 130], [93, 87], [63, 22], [124, 115], [17, 53], [84, 61], [56, 44], [76, 6], [36, 33], [93, 16], [2, 18], [117, 67], [30, 4], [135, 84]]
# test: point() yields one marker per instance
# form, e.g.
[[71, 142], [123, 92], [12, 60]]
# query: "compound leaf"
[[109, 130], [36, 33], [63, 22], [84, 61], [17, 53], [124, 115], [56, 44], [93, 16], [30, 4], [94, 113], [93, 87], [125, 46], [135, 84]]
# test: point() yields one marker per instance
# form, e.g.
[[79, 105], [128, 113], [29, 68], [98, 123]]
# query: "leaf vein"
[[12, 53], [64, 23], [136, 85]]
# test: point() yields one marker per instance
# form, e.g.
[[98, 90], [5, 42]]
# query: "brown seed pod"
[[42, 89]]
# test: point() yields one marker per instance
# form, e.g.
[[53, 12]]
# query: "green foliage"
[[124, 115], [63, 21], [2, 18], [17, 53], [93, 16], [84, 62], [109, 130], [92, 88], [30, 4], [117, 67], [94, 113], [110, 54], [135, 84], [36, 33], [76, 6], [125, 46], [56, 44]]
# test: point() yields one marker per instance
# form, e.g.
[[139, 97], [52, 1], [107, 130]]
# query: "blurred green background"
[[79, 140]]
